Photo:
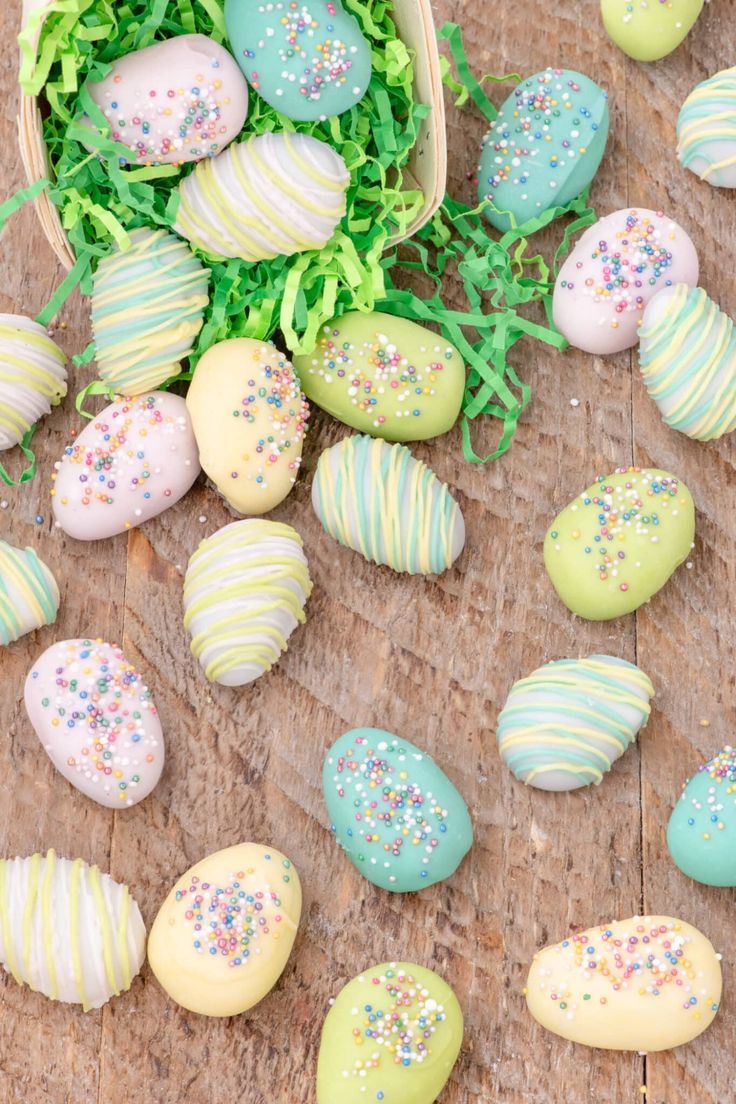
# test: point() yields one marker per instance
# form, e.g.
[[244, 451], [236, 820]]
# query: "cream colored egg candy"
[[706, 130], [224, 934], [68, 931], [29, 594], [645, 984], [32, 376]]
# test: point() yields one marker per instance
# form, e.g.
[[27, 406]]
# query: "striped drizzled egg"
[[706, 130], [67, 930], [29, 595], [32, 376], [564, 725]]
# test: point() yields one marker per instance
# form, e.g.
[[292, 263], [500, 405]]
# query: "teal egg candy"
[[306, 58], [701, 834], [394, 812], [544, 147]]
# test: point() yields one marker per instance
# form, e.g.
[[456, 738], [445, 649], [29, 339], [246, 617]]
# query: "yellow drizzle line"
[[123, 939], [29, 910], [5, 920], [46, 919], [107, 945], [74, 931]]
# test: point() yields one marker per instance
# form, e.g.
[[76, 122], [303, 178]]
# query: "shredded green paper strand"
[[100, 201]]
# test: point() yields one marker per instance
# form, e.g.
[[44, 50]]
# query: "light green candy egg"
[[309, 59], [647, 30], [618, 542], [701, 834], [394, 812], [396, 1007], [385, 376]]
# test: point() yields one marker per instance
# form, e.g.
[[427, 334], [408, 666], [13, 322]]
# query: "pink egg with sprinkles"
[[96, 720], [617, 266]]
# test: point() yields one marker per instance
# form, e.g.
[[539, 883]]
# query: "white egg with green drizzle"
[[706, 130], [29, 594], [32, 376]]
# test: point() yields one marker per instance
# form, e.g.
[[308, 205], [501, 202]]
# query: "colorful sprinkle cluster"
[[634, 261], [99, 709], [232, 921], [273, 396], [635, 507], [397, 1023], [391, 811], [721, 770], [119, 463]]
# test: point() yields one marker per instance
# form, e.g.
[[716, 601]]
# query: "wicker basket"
[[427, 168]]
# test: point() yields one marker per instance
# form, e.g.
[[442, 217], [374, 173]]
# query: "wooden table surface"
[[430, 659]]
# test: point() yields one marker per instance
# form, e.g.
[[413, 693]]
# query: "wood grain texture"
[[432, 660]]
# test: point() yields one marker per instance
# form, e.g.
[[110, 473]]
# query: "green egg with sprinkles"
[[392, 1036], [544, 147], [306, 58], [394, 812], [701, 834], [385, 376], [619, 541]]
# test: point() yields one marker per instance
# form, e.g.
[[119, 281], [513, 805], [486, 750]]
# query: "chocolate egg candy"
[[244, 594], [566, 724], [394, 812], [618, 542], [308, 60], [148, 305], [29, 595], [177, 101], [622, 985], [706, 130], [136, 458], [701, 834], [380, 501], [96, 721], [249, 417], [648, 30], [32, 376], [68, 931], [392, 1034], [272, 195], [224, 934], [385, 376], [687, 357], [544, 146], [615, 269]]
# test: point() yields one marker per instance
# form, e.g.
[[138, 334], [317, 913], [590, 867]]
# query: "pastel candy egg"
[[148, 305], [687, 357], [394, 812], [611, 274], [706, 130], [29, 595], [32, 376], [385, 376], [308, 60], [244, 594], [701, 834], [392, 1034], [624, 985], [136, 458], [544, 147], [380, 501], [273, 195], [224, 934], [68, 931], [565, 725], [177, 101], [96, 720], [619, 541], [648, 30]]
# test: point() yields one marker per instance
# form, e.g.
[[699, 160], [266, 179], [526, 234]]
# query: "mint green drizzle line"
[[21, 569], [706, 128]]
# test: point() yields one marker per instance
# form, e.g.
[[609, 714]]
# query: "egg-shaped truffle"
[[176, 101], [244, 594], [32, 376], [566, 724], [272, 195], [617, 267], [29, 594], [544, 146], [648, 30], [249, 417], [67, 930], [381, 501], [222, 937], [148, 305], [706, 130], [701, 834], [687, 356]]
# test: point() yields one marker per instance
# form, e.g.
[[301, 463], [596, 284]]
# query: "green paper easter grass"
[[100, 202]]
